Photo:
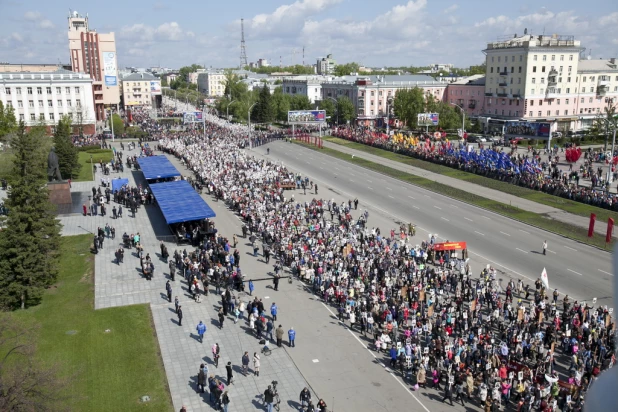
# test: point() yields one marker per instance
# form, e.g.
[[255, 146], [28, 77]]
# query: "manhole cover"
[[71, 332], [108, 330], [145, 398]]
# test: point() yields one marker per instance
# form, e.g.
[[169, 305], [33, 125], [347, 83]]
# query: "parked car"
[[515, 140], [472, 138]]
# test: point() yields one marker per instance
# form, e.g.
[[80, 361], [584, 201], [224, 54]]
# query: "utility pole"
[[243, 50], [111, 121], [249, 120]]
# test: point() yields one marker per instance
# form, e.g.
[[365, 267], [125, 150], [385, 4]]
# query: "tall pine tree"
[[68, 156], [30, 240]]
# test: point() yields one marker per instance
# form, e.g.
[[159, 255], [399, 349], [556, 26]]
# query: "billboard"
[[527, 129], [307, 116], [192, 117], [155, 87], [110, 70], [428, 119]]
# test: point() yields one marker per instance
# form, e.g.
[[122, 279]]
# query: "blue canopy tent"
[[118, 183], [157, 167], [179, 202]]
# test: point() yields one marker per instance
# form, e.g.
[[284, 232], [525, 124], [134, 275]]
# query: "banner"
[[610, 229], [110, 70], [306, 116], [544, 279], [155, 87], [192, 117], [593, 218], [527, 129], [449, 246], [427, 119]]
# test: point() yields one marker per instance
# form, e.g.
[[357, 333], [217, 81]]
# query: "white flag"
[[544, 279]]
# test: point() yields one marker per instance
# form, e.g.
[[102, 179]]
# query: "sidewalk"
[[485, 192]]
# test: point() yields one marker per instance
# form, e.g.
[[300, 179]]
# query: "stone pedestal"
[[59, 193]]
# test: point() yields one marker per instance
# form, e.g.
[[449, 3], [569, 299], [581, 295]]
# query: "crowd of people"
[[536, 170], [433, 320]]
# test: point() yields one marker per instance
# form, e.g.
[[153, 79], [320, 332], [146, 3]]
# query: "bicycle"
[[265, 349]]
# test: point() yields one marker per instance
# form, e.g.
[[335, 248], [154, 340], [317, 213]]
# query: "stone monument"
[[59, 190], [53, 168]]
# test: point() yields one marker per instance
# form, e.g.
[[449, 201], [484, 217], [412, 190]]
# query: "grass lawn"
[[567, 205], [535, 219], [114, 369], [85, 173]]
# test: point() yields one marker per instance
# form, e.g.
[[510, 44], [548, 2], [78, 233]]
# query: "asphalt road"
[[514, 248]]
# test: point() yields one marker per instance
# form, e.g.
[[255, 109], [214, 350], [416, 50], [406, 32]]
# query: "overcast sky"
[[373, 33]]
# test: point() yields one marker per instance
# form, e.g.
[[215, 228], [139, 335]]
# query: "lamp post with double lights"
[[463, 119]]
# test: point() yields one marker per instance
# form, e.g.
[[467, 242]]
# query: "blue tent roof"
[[157, 167], [179, 202], [118, 183]]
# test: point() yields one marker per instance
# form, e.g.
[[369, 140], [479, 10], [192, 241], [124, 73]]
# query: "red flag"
[[610, 229], [593, 218]]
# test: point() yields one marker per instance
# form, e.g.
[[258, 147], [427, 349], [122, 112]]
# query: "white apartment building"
[[541, 78], [310, 86], [45, 97], [326, 65], [211, 83], [138, 89]]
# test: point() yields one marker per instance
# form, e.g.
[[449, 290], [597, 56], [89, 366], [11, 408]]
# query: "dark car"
[[472, 138]]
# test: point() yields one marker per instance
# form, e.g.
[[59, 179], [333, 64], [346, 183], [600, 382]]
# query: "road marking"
[[443, 218], [607, 273], [454, 206], [315, 360], [412, 197], [570, 248], [469, 219], [577, 273], [370, 188], [337, 168], [524, 231], [485, 217], [479, 233], [369, 181], [506, 234], [392, 197], [439, 208], [428, 196], [351, 180], [415, 207], [521, 250], [551, 251], [321, 168], [388, 188], [374, 355]]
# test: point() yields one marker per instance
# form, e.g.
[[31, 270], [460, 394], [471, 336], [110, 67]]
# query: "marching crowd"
[[535, 170], [501, 346]]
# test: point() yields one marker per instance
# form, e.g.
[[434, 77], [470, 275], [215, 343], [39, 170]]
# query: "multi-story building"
[[310, 86], [326, 65], [139, 90], [263, 63], [541, 78], [95, 54], [45, 97], [211, 83], [468, 94], [170, 77], [40, 68]]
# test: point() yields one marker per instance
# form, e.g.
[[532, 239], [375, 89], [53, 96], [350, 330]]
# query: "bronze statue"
[[53, 169]]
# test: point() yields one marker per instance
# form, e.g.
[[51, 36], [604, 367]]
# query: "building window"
[[58, 90], [534, 57], [18, 89], [20, 103], [568, 80], [539, 113], [77, 90], [591, 78], [30, 103], [532, 91], [41, 117], [549, 112], [9, 104], [40, 103], [557, 112], [541, 102], [533, 69], [68, 103], [498, 59], [531, 102], [542, 80], [21, 117], [50, 103], [48, 90], [582, 100], [590, 100], [491, 69], [78, 103], [584, 79], [566, 112], [571, 57], [29, 90], [553, 57], [39, 90], [566, 101], [51, 116], [543, 69], [7, 90], [533, 80], [59, 103], [544, 57], [67, 90], [558, 101], [592, 90], [32, 116], [519, 80]]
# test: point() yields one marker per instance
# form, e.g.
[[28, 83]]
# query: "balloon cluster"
[[573, 154]]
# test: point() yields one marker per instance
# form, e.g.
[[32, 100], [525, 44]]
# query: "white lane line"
[[369, 181], [505, 234], [388, 188], [392, 197], [439, 208], [485, 217], [374, 355], [428, 196], [351, 180], [577, 273], [607, 273], [521, 250], [412, 197], [551, 251], [468, 219], [370, 188], [321, 168], [479, 233], [337, 168], [524, 231], [443, 218], [454, 206], [570, 248], [415, 207]]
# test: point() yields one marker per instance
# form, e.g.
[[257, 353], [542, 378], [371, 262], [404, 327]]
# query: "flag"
[[610, 228], [544, 279]]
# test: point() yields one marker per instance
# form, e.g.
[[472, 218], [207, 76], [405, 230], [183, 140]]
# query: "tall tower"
[[243, 50]]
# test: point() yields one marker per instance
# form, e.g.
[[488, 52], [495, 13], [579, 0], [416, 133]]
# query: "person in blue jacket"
[[393, 353], [201, 329], [273, 311], [292, 337], [251, 287]]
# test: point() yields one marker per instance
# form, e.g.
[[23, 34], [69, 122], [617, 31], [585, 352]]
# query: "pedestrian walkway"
[[123, 284], [493, 194]]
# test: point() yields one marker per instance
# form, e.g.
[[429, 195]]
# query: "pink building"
[[469, 94]]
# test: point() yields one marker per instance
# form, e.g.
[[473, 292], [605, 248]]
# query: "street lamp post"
[[463, 119], [227, 110], [111, 121], [336, 107], [249, 121], [388, 115]]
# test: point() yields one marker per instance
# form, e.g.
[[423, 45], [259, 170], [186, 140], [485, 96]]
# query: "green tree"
[[300, 102], [605, 123], [118, 124], [8, 122], [346, 69], [281, 104], [29, 243], [345, 109], [68, 155], [408, 104], [263, 111], [329, 107]]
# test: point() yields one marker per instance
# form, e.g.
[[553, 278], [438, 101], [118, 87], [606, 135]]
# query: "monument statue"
[[53, 169]]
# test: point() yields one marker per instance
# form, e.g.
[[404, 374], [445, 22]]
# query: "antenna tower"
[[243, 50], [303, 55]]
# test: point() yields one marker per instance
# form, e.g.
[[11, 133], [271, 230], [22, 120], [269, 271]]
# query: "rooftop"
[[474, 80], [528, 41], [139, 77], [597, 65], [43, 75]]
